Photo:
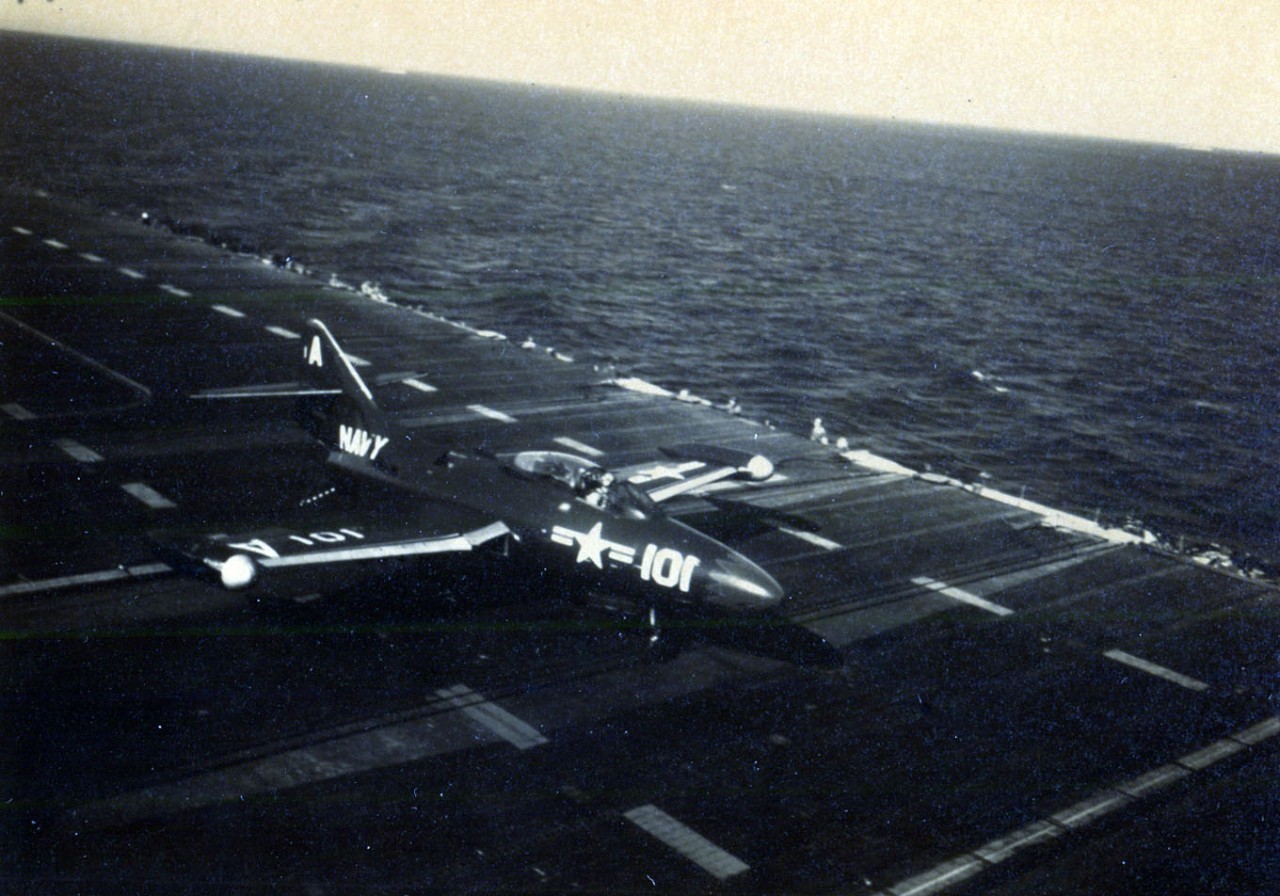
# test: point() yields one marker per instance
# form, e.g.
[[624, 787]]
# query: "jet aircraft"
[[550, 510]]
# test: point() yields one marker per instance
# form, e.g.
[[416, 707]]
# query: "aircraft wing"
[[238, 560], [695, 467]]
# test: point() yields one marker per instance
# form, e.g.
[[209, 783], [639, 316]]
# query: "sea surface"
[[1094, 324]]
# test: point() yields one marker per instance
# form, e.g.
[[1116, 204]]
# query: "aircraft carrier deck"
[[1026, 702]]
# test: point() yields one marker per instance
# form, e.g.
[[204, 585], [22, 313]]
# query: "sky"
[[1191, 72]]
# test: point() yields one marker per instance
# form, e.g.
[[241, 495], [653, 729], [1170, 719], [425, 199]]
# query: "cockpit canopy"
[[588, 481], [557, 465]]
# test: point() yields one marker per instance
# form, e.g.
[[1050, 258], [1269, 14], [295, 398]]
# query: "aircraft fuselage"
[[653, 556]]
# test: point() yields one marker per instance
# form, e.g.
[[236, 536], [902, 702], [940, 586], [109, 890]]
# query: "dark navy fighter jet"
[[558, 511]]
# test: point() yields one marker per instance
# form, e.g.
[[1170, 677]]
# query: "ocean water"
[[1096, 324]]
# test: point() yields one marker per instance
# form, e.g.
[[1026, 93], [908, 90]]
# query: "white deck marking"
[[78, 452], [80, 356], [692, 485], [491, 413], [1081, 814], [1215, 752], [55, 244], [515, 731], [961, 595], [445, 729], [1256, 734], [418, 384], [1159, 671], [175, 291], [1001, 848], [227, 310], [17, 411], [96, 259], [357, 360], [938, 878], [147, 495], [810, 537], [131, 273], [1153, 780], [21, 230], [84, 578], [282, 332], [578, 446], [686, 841], [1090, 809]]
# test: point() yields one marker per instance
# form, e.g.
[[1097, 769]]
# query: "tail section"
[[351, 421]]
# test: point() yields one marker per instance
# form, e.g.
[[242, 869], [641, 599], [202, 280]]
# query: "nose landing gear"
[[661, 646]]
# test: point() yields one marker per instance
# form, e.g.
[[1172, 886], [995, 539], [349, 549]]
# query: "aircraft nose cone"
[[735, 583]]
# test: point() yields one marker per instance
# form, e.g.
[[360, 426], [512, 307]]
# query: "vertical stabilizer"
[[351, 421]]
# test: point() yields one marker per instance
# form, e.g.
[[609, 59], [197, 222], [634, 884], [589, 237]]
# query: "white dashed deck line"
[[1002, 847], [175, 291], [415, 383], [1091, 809], [961, 595], [148, 495], [282, 332], [94, 259], [824, 543], [510, 728], [20, 230], [489, 412], [55, 244], [78, 452], [17, 411], [1212, 754], [937, 879], [717, 862], [227, 310], [581, 447], [1256, 734], [132, 274], [357, 361], [1081, 814], [1153, 780], [1158, 671]]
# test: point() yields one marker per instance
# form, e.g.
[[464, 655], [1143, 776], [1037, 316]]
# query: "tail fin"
[[350, 422]]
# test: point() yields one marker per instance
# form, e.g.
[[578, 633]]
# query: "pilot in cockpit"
[[594, 486]]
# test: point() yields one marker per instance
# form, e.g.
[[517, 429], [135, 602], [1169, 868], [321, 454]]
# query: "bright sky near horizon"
[[1173, 71]]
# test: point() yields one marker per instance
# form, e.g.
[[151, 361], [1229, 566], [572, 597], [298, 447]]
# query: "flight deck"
[[963, 691]]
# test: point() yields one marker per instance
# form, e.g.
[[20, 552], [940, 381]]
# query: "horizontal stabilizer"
[[296, 388], [267, 390]]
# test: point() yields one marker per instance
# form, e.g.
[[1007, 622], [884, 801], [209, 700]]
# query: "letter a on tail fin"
[[351, 422], [325, 365]]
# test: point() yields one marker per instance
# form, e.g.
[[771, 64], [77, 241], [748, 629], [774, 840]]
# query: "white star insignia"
[[591, 546], [662, 471]]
